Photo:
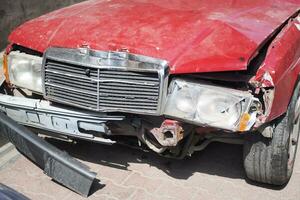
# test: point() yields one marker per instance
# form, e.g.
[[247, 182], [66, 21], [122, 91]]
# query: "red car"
[[170, 75]]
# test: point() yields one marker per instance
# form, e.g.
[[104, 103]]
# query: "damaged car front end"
[[174, 93], [104, 90]]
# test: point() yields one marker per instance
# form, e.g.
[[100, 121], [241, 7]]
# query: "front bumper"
[[70, 122]]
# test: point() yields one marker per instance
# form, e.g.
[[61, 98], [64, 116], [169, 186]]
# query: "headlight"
[[25, 71], [208, 105]]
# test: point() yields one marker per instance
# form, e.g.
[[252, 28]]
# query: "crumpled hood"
[[193, 36]]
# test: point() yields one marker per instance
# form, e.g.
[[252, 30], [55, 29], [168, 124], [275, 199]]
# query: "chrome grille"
[[69, 83], [79, 82]]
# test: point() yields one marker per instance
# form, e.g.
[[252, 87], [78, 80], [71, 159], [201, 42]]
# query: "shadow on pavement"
[[218, 159]]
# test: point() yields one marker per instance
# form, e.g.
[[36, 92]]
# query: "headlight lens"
[[222, 108], [208, 105], [25, 71]]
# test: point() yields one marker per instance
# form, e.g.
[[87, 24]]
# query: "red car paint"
[[193, 36], [283, 64]]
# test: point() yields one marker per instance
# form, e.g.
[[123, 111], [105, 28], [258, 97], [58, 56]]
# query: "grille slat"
[[93, 73], [82, 86], [53, 78], [70, 99], [127, 73], [82, 104], [68, 67], [69, 75], [52, 90], [112, 89], [120, 77], [128, 85], [88, 103], [128, 90], [67, 88], [134, 107], [108, 94], [129, 101]]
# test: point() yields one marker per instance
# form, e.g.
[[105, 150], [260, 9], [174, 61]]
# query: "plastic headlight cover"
[[25, 71], [207, 105]]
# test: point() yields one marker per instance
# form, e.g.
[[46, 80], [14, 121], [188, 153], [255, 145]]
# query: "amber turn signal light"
[[5, 67], [244, 122]]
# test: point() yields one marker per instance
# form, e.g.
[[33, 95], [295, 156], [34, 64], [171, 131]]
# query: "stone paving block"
[[136, 180], [115, 175], [177, 192], [114, 190], [142, 194]]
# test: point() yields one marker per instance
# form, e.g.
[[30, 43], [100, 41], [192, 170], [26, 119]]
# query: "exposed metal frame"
[[122, 61]]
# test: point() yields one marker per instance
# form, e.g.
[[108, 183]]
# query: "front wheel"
[[271, 160]]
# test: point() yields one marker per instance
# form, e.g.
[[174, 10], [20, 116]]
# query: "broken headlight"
[[24, 70], [207, 105]]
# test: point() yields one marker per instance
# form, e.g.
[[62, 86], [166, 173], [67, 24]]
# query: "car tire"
[[271, 160]]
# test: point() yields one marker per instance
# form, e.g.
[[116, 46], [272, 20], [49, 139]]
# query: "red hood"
[[193, 36]]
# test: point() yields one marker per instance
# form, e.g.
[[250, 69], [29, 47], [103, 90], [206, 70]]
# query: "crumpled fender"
[[280, 69]]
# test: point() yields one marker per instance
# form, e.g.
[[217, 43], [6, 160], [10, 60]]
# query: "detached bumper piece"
[[56, 164]]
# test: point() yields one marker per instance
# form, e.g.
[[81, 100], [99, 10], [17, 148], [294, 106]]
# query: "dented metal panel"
[[279, 72], [194, 36]]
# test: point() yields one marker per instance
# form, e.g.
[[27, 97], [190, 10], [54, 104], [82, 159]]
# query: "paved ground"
[[125, 173]]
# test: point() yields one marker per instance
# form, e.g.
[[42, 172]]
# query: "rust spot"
[[169, 134]]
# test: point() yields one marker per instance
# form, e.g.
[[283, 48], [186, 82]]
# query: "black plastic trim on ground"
[[6, 193], [57, 164]]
